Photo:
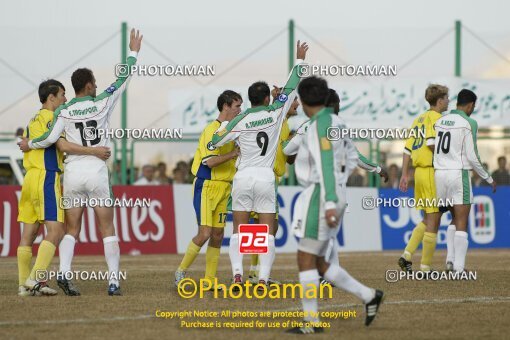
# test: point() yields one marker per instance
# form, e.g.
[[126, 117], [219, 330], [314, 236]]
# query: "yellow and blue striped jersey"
[[50, 158], [205, 150], [416, 144]]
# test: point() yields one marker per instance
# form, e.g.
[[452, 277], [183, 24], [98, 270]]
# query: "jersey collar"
[[80, 99], [459, 112]]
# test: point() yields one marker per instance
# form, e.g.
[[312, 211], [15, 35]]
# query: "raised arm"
[[288, 92], [123, 71]]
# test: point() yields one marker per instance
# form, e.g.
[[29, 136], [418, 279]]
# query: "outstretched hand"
[[135, 40], [301, 50]]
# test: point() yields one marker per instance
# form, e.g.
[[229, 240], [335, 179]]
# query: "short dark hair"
[[80, 78], [227, 97], [257, 92], [466, 96], [501, 158], [332, 99], [47, 87], [313, 91]]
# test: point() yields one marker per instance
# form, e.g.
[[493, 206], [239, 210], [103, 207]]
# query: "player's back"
[[452, 132], [416, 145], [87, 121], [259, 134]]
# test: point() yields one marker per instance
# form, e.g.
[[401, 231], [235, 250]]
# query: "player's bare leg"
[[460, 243], [36, 281], [266, 260], [111, 247], [24, 254], [66, 250], [236, 258]]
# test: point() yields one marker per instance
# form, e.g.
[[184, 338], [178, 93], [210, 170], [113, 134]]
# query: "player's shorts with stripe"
[[309, 220], [40, 197], [254, 190], [425, 189], [210, 200], [454, 186], [87, 179]]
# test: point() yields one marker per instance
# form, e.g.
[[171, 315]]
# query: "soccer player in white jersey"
[[87, 177], [455, 154], [353, 159], [320, 205], [257, 132]]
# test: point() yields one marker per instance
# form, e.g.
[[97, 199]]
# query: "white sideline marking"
[[481, 299]]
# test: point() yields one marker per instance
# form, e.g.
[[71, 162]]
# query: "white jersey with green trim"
[[354, 157], [257, 130], [86, 120], [321, 160], [455, 144]]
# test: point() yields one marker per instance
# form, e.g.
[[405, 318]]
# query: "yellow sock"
[[429, 247], [44, 256], [24, 261], [190, 256], [415, 240], [212, 256]]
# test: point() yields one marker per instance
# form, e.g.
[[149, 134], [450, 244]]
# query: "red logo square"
[[253, 238]]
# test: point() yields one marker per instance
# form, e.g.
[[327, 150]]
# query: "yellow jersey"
[[205, 150], [49, 159], [422, 131], [281, 158]]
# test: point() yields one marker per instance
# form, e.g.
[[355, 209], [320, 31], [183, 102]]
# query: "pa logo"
[[111, 89], [282, 97], [210, 147]]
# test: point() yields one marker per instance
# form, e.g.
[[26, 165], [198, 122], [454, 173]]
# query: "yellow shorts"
[[210, 202], [40, 197], [425, 189]]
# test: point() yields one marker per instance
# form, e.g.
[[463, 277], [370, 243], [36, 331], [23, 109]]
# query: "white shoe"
[[39, 288], [179, 276], [23, 291]]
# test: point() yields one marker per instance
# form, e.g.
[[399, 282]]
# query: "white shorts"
[[309, 220], [86, 180], [253, 189], [453, 187]]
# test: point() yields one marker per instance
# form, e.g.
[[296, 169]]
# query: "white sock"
[[309, 280], [236, 258], [461, 245], [333, 256], [66, 253], [112, 255], [266, 260], [450, 248], [341, 278]]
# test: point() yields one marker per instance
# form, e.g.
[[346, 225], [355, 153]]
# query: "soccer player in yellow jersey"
[[417, 148], [41, 192], [214, 169]]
